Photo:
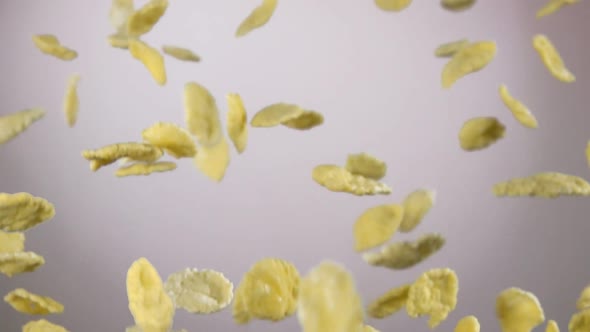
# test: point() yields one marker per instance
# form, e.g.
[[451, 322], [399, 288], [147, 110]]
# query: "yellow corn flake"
[[434, 293], [180, 53], [42, 325], [143, 20], [403, 255], [111, 153], [338, 179], [237, 121], [22, 211], [467, 324], [552, 326], [416, 205], [145, 168], [393, 5], [580, 322], [389, 303], [151, 59], [119, 14], [213, 160], [520, 112], [28, 303], [149, 303], [366, 165], [118, 41], [11, 242], [201, 114], [470, 59], [376, 226], [481, 132], [451, 48], [12, 125], [329, 301], [12, 263], [204, 291], [257, 18], [268, 291], [457, 5], [173, 139], [306, 121], [276, 114], [545, 184], [518, 310], [553, 6], [551, 59], [50, 45], [71, 101], [584, 299]]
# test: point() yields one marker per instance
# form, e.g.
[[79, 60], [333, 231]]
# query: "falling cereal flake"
[[393, 5], [468, 60], [42, 325], [434, 294], [145, 168], [467, 324], [451, 48], [151, 59], [338, 179], [22, 211], [403, 255], [257, 18], [416, 205], [552, 6], [551, 59], [276, 114], [13, 263], [480, 132], [366, 165], [389, 303], [376, 226], [307, 120], [145, 18], [50, 45], [518, 310], [180, 53], [457, 5], [237, 121], [71, 100], [109, 154], [11, 241], [201, 114], [580, 322], [13, 124], [28, 303], [118, 41], [213, 161], [520, 112], [119, 14], [584, 299], [173, 139], [552, 326], [544, 184]]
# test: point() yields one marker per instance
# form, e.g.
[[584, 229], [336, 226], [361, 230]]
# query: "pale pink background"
[[374, 77]]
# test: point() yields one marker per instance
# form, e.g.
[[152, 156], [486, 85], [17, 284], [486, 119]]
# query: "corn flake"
[[553, 6], [580, 322], [389, 303], [551, 59], [467, 324], [12, 125], [376, 226], [545, 184], [111, 153], [11, 242], [213, 161], [552, 326], [338, 179], [434, 293], [393, 5], [584, 299], [151, 59], [28, 303], [276, 114], [457, 5], [451, 48], [237, 121], [403, 255], [204, 291], [173, 139], [145, 18], [50, 45], [180, 53], [42, 325], [257, 18], [71, 100], [118, 41], [22, 211], [201, 114], [470, 59], [520, 112], [13, 263], [119, 14], [416, 205], [480, 132], [307, 120], [518, 310], [145, 168], [366, 165]]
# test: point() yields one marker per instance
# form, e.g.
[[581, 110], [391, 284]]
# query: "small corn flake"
[[480, 132], [237, 121], [50, 45], [467, 324], [276, 114], [71, 101], [12, 125], [376, 226], [26, 302], [470, 59], [206, 291], [213, 161], [338, 179], [584, 299], [180, 53], [416, 205], [389, 303], [451, 48], [119, 14], [42, 325], [145, 168], [109, 154], [366, 165], [552, 59], [403, 255], [329, 300], [118, 41], [520, 112], [12, 263], [257, 18], [580, 322], [518, 310], [173, 139], [393, 5], [11, 242], [552, 326], [145, 18], [22, 211], [307, 120], [201, 114], [544, 184], [151, 59], [434, 294], [457, 5], [552, 6]]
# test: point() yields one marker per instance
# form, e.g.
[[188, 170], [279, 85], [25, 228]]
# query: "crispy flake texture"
[[145, 18], [237, 121], [376, 226], [480, 132], [366, 165], [201, 114], [11, 242], [71, 101], [580, 321], [553, 6], [520, 112], [12, 125], [28, 303], [434, 294], [176, 141], [276, 114], [389, 303], [544, 184], [393, 5], [13, 263], [50, 45], [257, 18], [151, 59], [307, 120], [467, 324], [416, 206], [403, 255], [470, 59], [42, 325], [145, 168], [338, 179], [451, 48], [457, 5], [552, 59], [183, 54], [109, 154], [22, 211], [518, 310]]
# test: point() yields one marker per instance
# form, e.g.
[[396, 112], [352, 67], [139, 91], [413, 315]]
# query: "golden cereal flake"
[[173, 139], [28, 303], [389, 303], [119, 14], [213, 161], [518, 310], [71, 101], [201, 114], [22, 211], [237, 121], [434, 293], [42, 325], [11, 242], [338, 179], [416, 205], [393, 5], [204, 291], [480, 132], [276, 114], [552, 326], [520, 112], [552, 6], [180, 53], [544, 184], [376, 226], [451, 48], [50, 45], [470, 59], [12, 263], [145, 18], [151, 59], [467, 324], [268, 291], [149, 303], [584, 299], [580, 321], [118, 41], [552, 59], [403, 255], [307, 120], [145, 168], [133, 151], [12, 125], [457, 5], [329, 301], [257, 18], [366, 165]]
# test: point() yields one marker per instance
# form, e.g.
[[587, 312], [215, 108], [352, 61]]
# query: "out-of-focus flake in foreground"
[[205, 291], [518, 310], [50, 45], [257, 18], [12, 125]]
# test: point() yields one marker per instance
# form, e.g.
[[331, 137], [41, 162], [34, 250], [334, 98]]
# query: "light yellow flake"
[[584, 299], [376, 226], [403, 255], [206, 291], [268, 291], [366, 165], [468, 324], [237, 121], [119, 14], [257, 18], [389, 303], [12, 125], [329, 301], [480, 132], [393, 5], [369, 328], [50, 45], [544, 184], [580, 321], [28, 303], [118, 41], [145, 168], [71, 100], [213, 160], [451, 48], [470, 59], [520, 112], [338, 179], [12, 263], [553, 6], [109, 154], [180, 53], [22, 211], [416, 205], [552, 326], [201, 114], [552, 59], [149, 303], [518, 310], [42, 325], [12, 242], [173, 139], [276, 114], [151, 59], [307, 120], [457, 5], [434, 293], [145, 18]]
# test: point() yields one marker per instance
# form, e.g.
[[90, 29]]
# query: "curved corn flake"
[[366, 165], [180, 53], [553, 6], [338, 179], [376, 226], [518, 310], [22, 211], [403, 255], [149, 303], [467, 324], [42, 325], [145, 168], [457, 5], [119, 14], [173, 139], [389, 303], [481, 132], [12, 263], [329, 301], [71, 100], [213, 160], [584, 299], [552, 326], [204, 291], [201, 114], [551, 59], [434, 293], [307, 120], [470, 59], [276, 114], [257, 18], [118, 41], [544, 184], [11, 242], [393, 5], [151, 59], [520, 112], [143, 20], [109, 154], [50, 45], [12, 125], [580, 322], [416, 205], [28, 303], [369, 328], [268, 291], [237, 121], [451, 48]]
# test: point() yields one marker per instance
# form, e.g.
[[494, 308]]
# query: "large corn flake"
[[42, 325], [434, 293], [237, 121], [276, 114], [12, 263], [151, 59], [257, 18], [551, 59], [518, 310], [552, 326], [71, 101], [403, 255], [118, 41], [119, 14], [545, 184], [111, 153], [213, 160], [201, 114], [28, 303], [520, 112], [457, 5], [175, 140], [468, 324], [366, 165], [149, 303], [416, 205], [584, 299], [12, 125], [180, 53], [305, 121], [393, 5], [451, 48], [469, 59], [22, 211], [49, 44], [376, 226], [143, 20], [480, 132], [11, 242], [553, 6], [580, 322], [204, 291], [145, 168], [338, 179], [329, 301], [389, 303]]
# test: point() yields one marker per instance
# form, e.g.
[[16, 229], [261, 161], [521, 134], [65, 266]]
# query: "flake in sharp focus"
[[434, 294], [470, 59], [205, 291], [111, 153], [213, 161], [145, 169], [175, 140], [22, 211], [338, 179], [552, 59], [520, 112], [237, 121], [119, 14], [11, 242], [201, 114], [403, 255], [257, 18], [71, 101], [276, 114], [580, 321], [468, 324], [393, 5], [553, 6], [451, 48], [416, 205], [366, 165], [42, 325], [307, 120], [13, 263], [150, 58], [376, 226], [544, 184], [26, 302], [145, 18], [518, 310], [480, 132], [183, 54], [584, 299], [457, 5], [389, 303], [12, 125], [50, 45]]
